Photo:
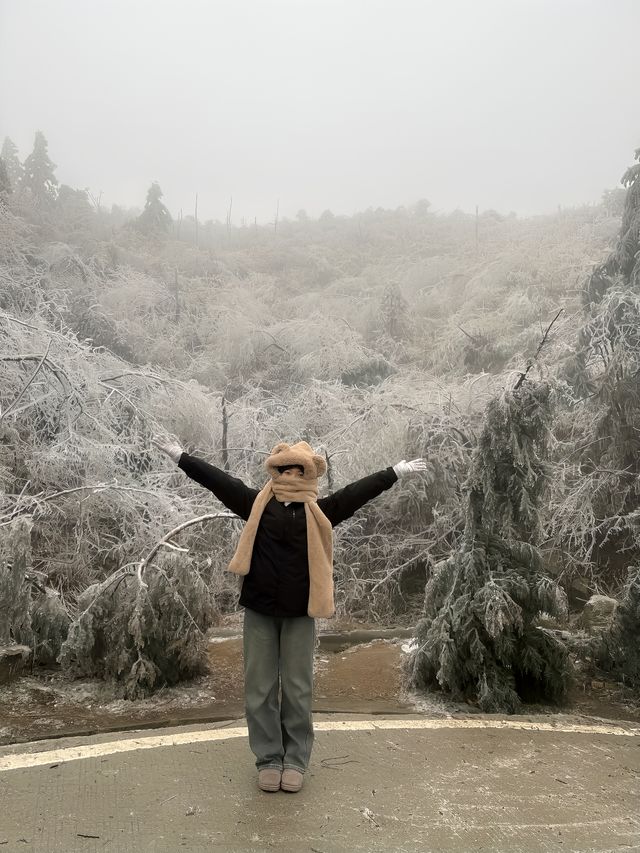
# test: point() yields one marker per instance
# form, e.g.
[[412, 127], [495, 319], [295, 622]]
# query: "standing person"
[[285, 553]]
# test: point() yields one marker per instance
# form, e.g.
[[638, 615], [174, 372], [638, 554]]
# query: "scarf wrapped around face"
[[319, 531]]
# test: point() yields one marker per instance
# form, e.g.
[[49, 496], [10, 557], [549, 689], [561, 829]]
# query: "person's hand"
[[404, 468], [169, 446]]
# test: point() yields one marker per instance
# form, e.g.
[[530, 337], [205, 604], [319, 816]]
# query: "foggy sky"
[[341, 104]]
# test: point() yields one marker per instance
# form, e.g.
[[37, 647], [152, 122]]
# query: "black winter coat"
[[278, 580]]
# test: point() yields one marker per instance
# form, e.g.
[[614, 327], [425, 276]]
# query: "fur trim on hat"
[[300, 453]]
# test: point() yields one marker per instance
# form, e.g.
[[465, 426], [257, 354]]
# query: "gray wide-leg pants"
[[278, 652]]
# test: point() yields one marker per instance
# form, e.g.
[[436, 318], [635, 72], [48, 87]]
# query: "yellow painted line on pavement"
[[20, 761]]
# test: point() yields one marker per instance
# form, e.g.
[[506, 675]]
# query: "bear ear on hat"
[[280, 447], [320, 463]]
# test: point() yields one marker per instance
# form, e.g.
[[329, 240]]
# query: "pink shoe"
[[291, 780], [269, 779]]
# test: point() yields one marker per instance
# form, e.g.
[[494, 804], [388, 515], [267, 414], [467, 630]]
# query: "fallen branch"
[[471, 337], [393, 572], [50, 332], [56, 369], [24, 390], [153, 376], [42, 498], [165, 539]]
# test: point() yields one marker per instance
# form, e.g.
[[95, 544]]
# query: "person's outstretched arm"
[[231, 491], [345, 502]]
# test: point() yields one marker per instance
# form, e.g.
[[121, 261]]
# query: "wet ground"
[[363, 678], [354, 674]]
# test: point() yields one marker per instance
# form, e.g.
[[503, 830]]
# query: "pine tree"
[[606, 376], [74, 212], [478, 638], [9, 154], [155, 217], [619, 651], [613, 201], [5, 183], [15, 601], [142, 634], [608, 362], [31, 613], [38, 177], [623, 264], [394, 310]]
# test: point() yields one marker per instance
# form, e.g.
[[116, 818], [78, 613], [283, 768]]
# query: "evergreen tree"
[[142, 634], [605, 373], [394, 310], [623, 264], [75, 213], [478, 638], [619, 651], [421, 207], [155, 217], [38, 176], [30, 614], [613, 201], [608, 368], [5, 183], [9, 154], [15, 600]]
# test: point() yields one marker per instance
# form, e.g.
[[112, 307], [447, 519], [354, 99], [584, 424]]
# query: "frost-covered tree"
[[394, 312], [5, 184], [75, 213], [15, 551], [31, 613], [38, 176], [619, 650], [421, 207], [9, 154], [155, 218], [605, 374], [143, 637], [478, 638], [326, 218], [613, 201], [143, 627], [623, 264]]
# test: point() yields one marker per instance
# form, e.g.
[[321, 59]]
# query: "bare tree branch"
[[523, 376]]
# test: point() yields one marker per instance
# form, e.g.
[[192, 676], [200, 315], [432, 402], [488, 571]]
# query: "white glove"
[[403, 468], [168, 446]]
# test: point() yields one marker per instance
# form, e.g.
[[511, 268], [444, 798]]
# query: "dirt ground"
[[364, 679]]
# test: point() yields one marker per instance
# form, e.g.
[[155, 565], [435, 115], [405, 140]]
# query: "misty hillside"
[[376, 337]]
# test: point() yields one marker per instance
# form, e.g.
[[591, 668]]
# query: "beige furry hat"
[[302, 454]]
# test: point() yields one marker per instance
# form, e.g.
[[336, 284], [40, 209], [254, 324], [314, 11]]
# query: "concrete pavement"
[[400, 784]]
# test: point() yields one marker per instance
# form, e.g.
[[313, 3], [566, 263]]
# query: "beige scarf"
[[319, 530]]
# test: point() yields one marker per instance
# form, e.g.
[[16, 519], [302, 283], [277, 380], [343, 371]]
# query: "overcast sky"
[[341, 104]]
